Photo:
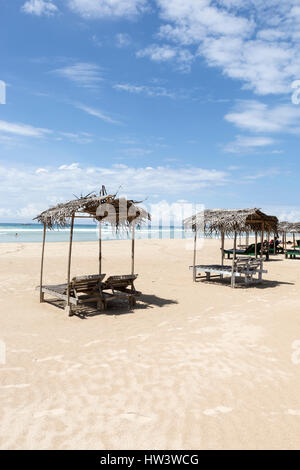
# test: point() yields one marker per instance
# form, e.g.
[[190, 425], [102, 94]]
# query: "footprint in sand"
[[293, 412], [97, 341], [50, 358], [136, 417], [14, 386], [55, 412], [217, 410]]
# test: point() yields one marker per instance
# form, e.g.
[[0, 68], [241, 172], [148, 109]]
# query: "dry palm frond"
[[231, 220], [118, 212]]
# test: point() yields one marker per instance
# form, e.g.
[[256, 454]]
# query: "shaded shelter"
[[120, 213], [231, 222]]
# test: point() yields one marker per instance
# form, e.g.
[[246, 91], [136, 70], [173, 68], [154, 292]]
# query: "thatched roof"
[[289, 227], [119, 212], [230, 221]]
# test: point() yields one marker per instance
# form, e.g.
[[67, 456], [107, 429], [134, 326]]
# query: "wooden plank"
[[100, 248], [69, 261], [60, 296], [233, 261], [132, 247], [42, 264], [194, 256]]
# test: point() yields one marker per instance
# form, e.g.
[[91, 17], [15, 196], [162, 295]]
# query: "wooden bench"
[[83, 289], [243, 267], [120, 287], [292, 253]]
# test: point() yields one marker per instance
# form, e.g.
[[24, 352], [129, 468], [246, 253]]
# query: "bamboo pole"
[[274, 247], [69, 266], [233, 261], [42, 265], [194, 257], [100, 247], [222, 248], [132, 247], [294, 240], [255, 244], [262, 240]]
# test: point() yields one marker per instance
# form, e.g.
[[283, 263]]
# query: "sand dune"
[[194, 366]]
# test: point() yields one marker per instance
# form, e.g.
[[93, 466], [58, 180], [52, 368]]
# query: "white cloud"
[[93, 9], [165, 53], [254, 41], [259, 117], [36, 187], [96, 113], [23, 130], [144, 89], [82, 73], [123, 40], [243, 144], [39, 7]]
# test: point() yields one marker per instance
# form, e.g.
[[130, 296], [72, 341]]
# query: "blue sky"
[[170, 100]]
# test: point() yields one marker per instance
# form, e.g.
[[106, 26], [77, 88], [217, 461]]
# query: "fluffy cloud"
[[39, 7], [43, 186], [165, 53], [261, 50], [259, 117], [244, 144], [93, 9]]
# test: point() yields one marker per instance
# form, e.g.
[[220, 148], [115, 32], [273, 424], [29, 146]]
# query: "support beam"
[[132, 247], [255, 244], [194, 257], [222, 247], [233, 261], [100, 247], [262, 240], [68, 306], [42, 265]]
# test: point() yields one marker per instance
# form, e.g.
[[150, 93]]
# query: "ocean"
[[32, 233]]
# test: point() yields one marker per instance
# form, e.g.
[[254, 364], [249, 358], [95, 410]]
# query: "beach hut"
[[120, 213], [293, 228], [232, 222]]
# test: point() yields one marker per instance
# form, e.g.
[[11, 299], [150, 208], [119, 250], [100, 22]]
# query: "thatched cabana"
[[120, 213], [230, 222], [288, 227]]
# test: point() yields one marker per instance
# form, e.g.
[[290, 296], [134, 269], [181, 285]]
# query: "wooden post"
[[233, 261], [194, 257], [68, 307], [274, 247], [42, 265], [100, 247], [294, 240], [132, 247], [255, 244], [222, 247], [262, 240], [247, 239]]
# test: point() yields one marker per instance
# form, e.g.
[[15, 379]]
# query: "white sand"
[[194, 366]]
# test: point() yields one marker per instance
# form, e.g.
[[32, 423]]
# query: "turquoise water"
[[30, 233]]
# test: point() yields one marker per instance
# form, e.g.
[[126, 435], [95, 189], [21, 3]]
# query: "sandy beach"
[[193, 366]]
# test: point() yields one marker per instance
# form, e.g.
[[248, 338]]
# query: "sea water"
[[30, 233]]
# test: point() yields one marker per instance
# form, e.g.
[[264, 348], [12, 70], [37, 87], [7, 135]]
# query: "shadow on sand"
[[116, 307], [240, 284]]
